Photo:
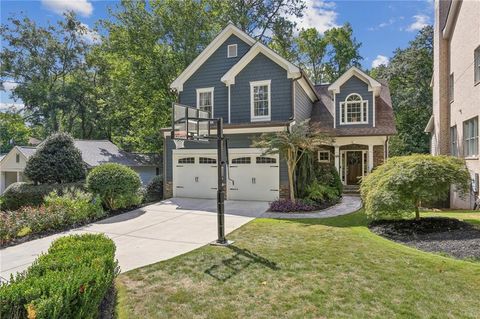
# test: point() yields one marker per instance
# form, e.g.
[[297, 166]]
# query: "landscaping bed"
[[434, 234]]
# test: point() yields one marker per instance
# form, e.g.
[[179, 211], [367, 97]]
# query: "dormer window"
[[354, 110], [232, 51]]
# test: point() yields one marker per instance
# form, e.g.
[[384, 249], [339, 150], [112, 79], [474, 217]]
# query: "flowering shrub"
[[70, 281], [287, 206]]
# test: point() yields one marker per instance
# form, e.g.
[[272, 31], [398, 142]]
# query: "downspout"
[[294, 93]]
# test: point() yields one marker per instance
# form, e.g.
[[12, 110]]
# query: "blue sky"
[[381, 26]]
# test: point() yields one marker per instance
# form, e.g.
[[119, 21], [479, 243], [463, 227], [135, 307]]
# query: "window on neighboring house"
[[476, 64], [260, 100], [17, 158], [354, 110], [470, 137], [453, 141], [451, 86], [232, 51], [324, 156], [205, 99]]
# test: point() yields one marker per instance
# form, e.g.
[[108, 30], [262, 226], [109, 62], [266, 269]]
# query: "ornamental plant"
[[402, 183]]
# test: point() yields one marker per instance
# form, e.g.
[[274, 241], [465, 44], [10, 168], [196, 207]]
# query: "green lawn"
[[320, 268], [469, 216]]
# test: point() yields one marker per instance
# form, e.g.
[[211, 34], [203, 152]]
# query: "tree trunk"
[[417, 211], [290, 182]]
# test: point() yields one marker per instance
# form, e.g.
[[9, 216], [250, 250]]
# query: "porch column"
[[370, 157], [337, 158], [18, 176]]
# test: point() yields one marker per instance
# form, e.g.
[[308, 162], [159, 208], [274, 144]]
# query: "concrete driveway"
[[147, 235]]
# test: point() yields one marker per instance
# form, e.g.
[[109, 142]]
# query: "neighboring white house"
[[94, 153]]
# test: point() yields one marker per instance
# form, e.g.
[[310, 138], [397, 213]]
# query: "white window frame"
[[254, 118], [323, 161], [467, 152], [206, 90], [363, 109], [228, 51]]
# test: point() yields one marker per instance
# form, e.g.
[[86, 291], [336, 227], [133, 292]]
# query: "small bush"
[[288, 206], [117, 185], [24, 194], [57, 160], [154, 189], [319, 192], [327, 174], [70, 281]]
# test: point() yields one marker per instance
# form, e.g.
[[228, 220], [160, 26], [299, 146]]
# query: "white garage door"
[[252, 176]]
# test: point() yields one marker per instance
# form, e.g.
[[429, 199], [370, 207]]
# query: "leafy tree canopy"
[[13, 131]]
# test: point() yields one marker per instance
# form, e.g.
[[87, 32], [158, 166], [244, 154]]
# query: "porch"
[[9, 177]]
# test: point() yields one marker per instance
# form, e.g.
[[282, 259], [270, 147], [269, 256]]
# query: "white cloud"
[[82, 7], [382, 25], [318, 14], [12, 106], [420, 21], [379, 60], [9, 86], [90, 35]]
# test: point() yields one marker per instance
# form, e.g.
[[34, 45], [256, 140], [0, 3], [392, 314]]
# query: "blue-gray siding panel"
[[303, 104], [209, 75], [354, 85], [261, 68], [234, 141]]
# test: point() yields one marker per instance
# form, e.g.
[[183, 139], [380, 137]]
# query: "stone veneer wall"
[[378, 155], [284, 191], [167, 189]]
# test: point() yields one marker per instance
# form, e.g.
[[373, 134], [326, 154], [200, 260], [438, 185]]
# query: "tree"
[[13, 131], [312, 49], [57, 160], [292, 145], [408, 75], [402, 183]]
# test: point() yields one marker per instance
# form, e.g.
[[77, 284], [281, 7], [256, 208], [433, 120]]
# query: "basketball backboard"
[[190, 123]]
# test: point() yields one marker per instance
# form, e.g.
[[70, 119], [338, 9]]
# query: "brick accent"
[[378, 155], [284, 191], [167, 190]]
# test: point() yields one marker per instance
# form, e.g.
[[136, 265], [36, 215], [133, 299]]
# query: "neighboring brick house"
[[456, 87], [255, 90]]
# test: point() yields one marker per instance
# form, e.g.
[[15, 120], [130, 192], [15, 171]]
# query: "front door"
[[354, 167]]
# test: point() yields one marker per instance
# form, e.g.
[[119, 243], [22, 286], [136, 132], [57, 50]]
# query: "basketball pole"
[[221, 185]]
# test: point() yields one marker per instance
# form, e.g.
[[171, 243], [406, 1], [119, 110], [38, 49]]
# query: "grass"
[[316, 268], [469, 216]]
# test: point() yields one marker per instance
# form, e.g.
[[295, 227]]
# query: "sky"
[[381, 26]]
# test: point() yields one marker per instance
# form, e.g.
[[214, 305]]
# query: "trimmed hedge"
[[117, 185], [25, 194], [70, 281]]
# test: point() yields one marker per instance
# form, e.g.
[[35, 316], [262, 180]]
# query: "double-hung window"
[[205, 99], [470, 137], [453, 141], [476, 65], [354, 110], [260, 100]]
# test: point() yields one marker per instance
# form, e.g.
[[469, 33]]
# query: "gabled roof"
[[27, 151], [177, 84], [373, 85]]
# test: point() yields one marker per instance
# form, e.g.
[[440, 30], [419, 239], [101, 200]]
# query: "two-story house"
[[255, 91], [456, 88]]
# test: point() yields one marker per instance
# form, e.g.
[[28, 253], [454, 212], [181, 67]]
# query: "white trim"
[[450, 24], [206, 90], [334, 111], [229, 106], [306, 87], [254, 118], [323, 161], [344, 168], [373, 85], [177, 84], [292, 70], [373, 111], [243, 130], [343, 111], [228, 50]]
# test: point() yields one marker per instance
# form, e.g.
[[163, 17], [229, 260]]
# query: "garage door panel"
[[195, 176]]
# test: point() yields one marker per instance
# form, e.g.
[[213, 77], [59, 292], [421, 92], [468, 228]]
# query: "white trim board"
[[206, 90], [373, 85], [258, 118]]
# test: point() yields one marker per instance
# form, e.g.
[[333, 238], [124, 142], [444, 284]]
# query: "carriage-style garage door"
[[252, 176]]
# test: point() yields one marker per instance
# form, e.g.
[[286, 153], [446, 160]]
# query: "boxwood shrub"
[[70, 281], [117, 185], [24, 194]]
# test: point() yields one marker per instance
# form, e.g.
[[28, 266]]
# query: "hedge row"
[[70, 281]]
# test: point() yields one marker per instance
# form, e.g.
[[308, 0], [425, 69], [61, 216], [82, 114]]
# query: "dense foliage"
[[24, 194], [402, 183], [288, 206], [117, 185], [154, 189], [70, 281], [409, 74], [56, 160], [74, 207], [13, 131]]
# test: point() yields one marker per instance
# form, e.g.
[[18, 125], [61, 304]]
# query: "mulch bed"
[[434, 234]]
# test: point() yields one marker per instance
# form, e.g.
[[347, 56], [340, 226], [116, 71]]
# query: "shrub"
[[310, 170], [117, 185], [402, 183], [57, 160], [70, 281], [327, 174], [287, 206], [320, 192], [154, 189], [24, 194]]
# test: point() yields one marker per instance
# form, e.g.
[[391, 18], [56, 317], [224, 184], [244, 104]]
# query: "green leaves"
[[13, 131]]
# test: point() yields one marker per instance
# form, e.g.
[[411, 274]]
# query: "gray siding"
[[261, 68], [234, 141], [303, 104], [209, 75], [146, 173], [354, 85]]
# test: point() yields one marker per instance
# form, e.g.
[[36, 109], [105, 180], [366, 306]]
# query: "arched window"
[[354, 110]]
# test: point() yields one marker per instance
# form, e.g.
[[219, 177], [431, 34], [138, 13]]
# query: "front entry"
[[354, 167]]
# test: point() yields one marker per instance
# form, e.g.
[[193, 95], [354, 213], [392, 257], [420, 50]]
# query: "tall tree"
[[13, 131], [312, 48], [409, 74]]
